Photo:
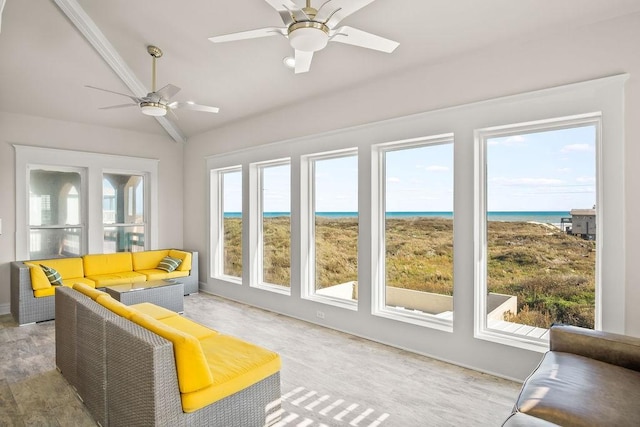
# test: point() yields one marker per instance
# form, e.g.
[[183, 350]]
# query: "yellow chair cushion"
[[88, 290], [153, 310], [188, 326], [191, 364], [69, 268], [103, 280], [185, 265], [116, 306], [66, 282], [100, 264], [39, 280], [147, 260], [235, 365]]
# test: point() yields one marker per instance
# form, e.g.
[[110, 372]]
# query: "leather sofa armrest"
[[620, 350]]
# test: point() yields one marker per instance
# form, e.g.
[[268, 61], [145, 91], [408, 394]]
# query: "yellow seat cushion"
[[118, 278], [66, 282], [185, 265], [191, 364], [147, 260], [101, 264], [116, 306], [88, 290], [153, 310], [235, 365], [155, 274], [188, 326]]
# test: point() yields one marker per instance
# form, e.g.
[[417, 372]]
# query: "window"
[[55, 217], [275, 223], [539, 227], [55, 228], [227, 233], [416, 183], [123, 212], [333, 224]]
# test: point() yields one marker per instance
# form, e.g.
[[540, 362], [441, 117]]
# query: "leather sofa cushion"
[[572, 390]]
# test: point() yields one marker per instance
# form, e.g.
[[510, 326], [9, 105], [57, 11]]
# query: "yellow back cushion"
[[147, 260], [69, 268], [191, 363], [88, 291], [117, 307], [185, 265], [107, 263]]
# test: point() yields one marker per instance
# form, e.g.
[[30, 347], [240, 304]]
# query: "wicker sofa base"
[[126, 375]]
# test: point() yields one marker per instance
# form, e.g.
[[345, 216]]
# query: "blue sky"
[[544, 171]]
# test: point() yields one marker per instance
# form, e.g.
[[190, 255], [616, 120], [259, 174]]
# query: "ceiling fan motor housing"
[[308, 36]]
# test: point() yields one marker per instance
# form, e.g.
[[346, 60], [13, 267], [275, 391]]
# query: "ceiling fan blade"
[[334, 11], [168, 91], [251, 34], [137, 100], [118, 106], [285, 8], [303, 61], [191, 106], [355, 37]]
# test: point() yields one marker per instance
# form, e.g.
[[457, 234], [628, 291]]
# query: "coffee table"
[[167, 293]]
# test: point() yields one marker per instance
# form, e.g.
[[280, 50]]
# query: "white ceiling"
[[45, 61]]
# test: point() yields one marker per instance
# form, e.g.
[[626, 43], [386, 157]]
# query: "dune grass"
[[551, 273]]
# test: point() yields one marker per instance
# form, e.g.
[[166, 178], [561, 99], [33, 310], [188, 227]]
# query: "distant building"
[[583, 223]]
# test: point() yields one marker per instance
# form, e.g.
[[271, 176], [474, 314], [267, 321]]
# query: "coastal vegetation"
[[551, 273]]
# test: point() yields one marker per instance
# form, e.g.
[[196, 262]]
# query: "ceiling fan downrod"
[[155, 53]]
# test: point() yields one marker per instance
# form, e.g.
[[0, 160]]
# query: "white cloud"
[[512, 140], [576, 147], [437, 168], [586, 179], [527, 181]]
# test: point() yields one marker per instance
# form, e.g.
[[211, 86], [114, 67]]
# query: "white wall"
[[595, 51], [27, 130]]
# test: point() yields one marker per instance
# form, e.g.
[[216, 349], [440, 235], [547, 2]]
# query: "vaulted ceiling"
[[45, 60]]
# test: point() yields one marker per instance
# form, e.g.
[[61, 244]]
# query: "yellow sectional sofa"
[[207, 378], [32, 293]]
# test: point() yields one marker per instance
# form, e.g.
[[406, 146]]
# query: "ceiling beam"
[[101, 44]]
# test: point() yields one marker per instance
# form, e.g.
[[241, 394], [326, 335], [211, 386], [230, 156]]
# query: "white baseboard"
[[5, 309]]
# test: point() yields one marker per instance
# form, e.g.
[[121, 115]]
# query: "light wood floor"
[[328, 378]]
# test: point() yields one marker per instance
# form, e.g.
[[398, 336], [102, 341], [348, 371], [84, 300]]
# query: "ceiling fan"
[[157, 102], [309, 30]]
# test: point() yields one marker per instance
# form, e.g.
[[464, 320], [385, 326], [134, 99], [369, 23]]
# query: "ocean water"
[[550, 217]]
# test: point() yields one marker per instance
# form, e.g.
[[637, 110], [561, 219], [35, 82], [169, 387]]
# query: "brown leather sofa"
[[587, 378]]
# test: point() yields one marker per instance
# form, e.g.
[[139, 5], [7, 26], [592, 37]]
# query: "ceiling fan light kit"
[[309, 30], [153, 109]]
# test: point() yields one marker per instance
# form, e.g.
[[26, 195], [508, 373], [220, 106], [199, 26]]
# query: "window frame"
[[481, 137], [256, 232], [217, 245], [308, 233], [378, 208]]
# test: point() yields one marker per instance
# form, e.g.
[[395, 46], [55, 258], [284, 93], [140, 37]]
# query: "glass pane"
[[54, 198], [336, 227], [123, 239], [419, 229], [54, 243], [541, 195], [276, 225], [122, 199], [232, 214]]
